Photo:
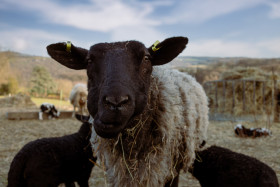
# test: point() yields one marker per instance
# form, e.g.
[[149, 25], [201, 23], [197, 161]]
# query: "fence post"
[[243, 95], [254, 92], [216, 96], [263, 90], [277, 103], [233, 95], [224, 95]]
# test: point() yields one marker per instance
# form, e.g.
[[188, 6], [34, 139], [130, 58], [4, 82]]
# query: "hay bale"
[[249, 73], [18, 100], [234, 83]]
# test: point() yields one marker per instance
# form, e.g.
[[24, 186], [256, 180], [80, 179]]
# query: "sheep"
[[49, 109], [217, 166], [51, 161], [78, 98], [242, 131], [148, 119]]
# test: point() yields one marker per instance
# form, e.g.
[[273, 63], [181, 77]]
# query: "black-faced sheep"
[[49, 109], [221, 167], [242, 131], [47, 162], [148, 120], [78, 98]]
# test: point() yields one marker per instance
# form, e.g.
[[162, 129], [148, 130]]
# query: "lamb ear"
[[167, 50], [68, 55]]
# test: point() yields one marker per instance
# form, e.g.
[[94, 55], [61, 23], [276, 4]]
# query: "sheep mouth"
[[107, 130]]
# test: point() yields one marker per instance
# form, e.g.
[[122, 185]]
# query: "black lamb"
[[217, 166], [52, 161]]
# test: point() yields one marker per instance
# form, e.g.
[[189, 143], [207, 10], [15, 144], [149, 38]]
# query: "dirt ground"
[[15, 134]]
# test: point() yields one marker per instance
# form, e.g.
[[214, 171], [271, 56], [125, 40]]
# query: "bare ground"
[[15, 134]]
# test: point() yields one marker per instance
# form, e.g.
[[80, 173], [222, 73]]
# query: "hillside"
[[188, 61], [20, 66], [211, 69]]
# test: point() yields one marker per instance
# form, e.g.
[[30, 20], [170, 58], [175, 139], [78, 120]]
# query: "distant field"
[[56, 102], [60, 104], [14, 134]]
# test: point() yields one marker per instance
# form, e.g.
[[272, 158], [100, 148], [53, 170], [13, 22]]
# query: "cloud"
[[275, 10], [97, 15], [34, 42], [270, 47], [193, 11], [108, 15], [28, 41], [221, 48], [120, 19], [144, 34], [134, 19]]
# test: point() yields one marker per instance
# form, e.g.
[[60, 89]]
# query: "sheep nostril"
[[116, 101], [123, 100]]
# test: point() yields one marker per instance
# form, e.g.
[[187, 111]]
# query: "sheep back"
[[163, 139], [51, 161], [217, 166]]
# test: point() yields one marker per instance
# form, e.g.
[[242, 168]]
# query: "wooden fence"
[[220, 94]]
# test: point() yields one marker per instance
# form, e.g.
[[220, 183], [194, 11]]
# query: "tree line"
[[41, 84]]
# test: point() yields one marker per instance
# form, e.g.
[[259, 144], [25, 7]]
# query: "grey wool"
[[163, 138]]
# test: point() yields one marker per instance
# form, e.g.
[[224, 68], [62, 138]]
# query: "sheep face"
[[118, 77], [118, 84], [83, 99]]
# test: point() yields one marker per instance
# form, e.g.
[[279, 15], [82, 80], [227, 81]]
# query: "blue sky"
[[221, 28]]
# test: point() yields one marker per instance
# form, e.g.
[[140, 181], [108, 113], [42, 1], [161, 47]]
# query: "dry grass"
[[15, 134], [59, 104]]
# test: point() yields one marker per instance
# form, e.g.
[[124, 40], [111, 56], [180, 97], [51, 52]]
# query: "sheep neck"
[[134, 150], [142, 125]]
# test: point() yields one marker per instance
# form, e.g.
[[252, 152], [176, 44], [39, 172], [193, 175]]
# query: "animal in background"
[[49, 109], [242, 131], [78, 98]]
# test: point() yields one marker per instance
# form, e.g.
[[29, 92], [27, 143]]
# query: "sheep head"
[[118, 77], [83, 98]]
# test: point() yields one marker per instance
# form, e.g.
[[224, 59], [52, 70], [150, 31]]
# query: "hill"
[[208, 69], [188, 61], [20, 66]]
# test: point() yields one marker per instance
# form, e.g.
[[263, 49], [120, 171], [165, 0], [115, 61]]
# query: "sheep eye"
[[146, 58], [144, 70]]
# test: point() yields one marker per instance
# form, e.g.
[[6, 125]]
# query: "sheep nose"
[[116, 101]]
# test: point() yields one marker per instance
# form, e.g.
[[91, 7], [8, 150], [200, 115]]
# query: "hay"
[[234, 83], [249, 73], [15, 134], [19, 100], [124, 145]]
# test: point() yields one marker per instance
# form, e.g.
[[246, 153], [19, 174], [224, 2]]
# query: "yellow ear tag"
[[68, 46], [154, 48]]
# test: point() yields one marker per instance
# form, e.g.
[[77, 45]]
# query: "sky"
[[215, 28]]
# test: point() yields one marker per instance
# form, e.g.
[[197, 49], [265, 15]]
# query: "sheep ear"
[[165, 51], [68, 55]]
